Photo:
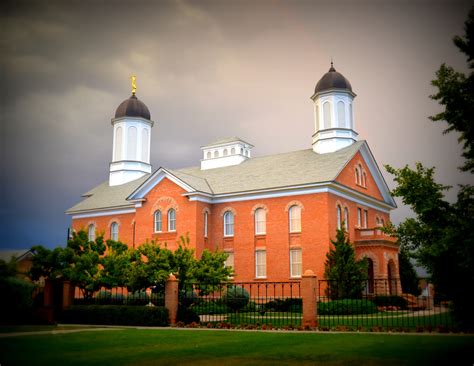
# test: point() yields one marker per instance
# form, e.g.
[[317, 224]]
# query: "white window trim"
[[256, 263], [233, 223], [154, 222], [89, 232], [290, 210], [112, 236], [169, 221], [264, 221], [291, 263]]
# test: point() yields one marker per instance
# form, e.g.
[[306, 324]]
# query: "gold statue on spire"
[[133, 78]]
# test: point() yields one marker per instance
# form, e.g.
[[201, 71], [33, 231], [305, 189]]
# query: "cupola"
[[333, 113], [225, 152], [131, 140]]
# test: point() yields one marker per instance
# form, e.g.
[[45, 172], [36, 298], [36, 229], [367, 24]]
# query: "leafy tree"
[[116, 264], [408, 276], [346, 276], [440, 236], [8, 269], [48, 263]]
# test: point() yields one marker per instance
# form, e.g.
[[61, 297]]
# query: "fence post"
[[68, 294], [171, 298], [309, 291], [48, 293]]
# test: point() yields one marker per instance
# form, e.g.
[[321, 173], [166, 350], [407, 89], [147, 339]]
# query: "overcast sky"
[[207, 70]]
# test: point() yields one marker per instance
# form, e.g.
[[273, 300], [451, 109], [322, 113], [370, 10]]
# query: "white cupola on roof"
[[225, 152], [132, 138], [333, 116]]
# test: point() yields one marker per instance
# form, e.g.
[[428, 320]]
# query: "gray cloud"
[[206, 70]]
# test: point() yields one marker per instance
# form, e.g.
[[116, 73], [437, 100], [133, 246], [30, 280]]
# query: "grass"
[[201, 347], [39, 328]]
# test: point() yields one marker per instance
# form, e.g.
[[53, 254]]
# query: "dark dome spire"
[[132, 107], [332, 80]]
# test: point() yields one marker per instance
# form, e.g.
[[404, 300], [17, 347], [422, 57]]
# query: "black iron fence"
[[120, 296], [267, 304], [380, 304]]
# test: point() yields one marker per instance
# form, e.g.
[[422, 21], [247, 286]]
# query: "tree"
[[408, 277], [345, 275], [440, 236], [116, 264]]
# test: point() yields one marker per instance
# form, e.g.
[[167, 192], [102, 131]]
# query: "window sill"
[[260, 278], [295, 277]]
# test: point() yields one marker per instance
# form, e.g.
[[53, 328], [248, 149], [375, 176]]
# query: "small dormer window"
[[216, 154], [232, 151], [226, 152]]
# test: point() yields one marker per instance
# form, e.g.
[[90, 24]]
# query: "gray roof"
[[273, 171], [267, 172], [105, 196], [7, 254]]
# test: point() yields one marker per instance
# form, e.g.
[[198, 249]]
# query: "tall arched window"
[[226, 152], [114, 231], [132, 143], [206, 220], [171, 219], [228, 223], [145, 145], [294, 214], [346, 218], [209, 155], [357, 174], [91, 232], [158, 221], [216, 154], [260, 221], [339, 217], [341, 114], [118, 144], [316, 117], [327, 114], [351, 123], [364, 179]]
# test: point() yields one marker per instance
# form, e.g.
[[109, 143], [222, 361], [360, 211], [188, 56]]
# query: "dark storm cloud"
[[206, 69]]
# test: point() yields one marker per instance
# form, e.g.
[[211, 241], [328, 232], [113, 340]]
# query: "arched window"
[[228, 223], [241, 151], [232, 151], [114, 231], [158, 221], [359, 217], [341, 114], [357, 174], [339, 217], [351, 124], [382, 222], [171, 219], [260, 221], [132, 143], [364, 179], [145, 145], [226, 152], [209, 155], [118, 144], [91, 232], [206, 218], [316, 117], [346, 218], [216, 154], [294, 214], [327, 114]]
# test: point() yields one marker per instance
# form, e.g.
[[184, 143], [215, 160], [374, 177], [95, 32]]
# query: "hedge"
[[346, 307], [16, 304], [116, 315], [391, 300]]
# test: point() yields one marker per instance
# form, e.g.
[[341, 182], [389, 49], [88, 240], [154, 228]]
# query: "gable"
[[374, 184]]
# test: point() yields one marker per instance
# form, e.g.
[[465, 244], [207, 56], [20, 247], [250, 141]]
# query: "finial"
[[332, 66], [133, 78]]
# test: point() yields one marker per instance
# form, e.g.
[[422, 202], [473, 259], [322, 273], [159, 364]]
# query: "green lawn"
[[201, 347]]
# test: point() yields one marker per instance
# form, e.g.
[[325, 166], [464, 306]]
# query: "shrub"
[[284, 305], [236, 297], [116, 315], [249, 308], [16, 304], [188, 298], [391, 300], [187, 315], [211, 307], [346, 307]]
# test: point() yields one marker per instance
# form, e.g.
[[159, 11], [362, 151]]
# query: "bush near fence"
[[116, 315], [391, 300], [346, 307]]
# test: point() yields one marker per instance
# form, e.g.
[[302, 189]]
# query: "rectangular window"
[[359, 217], [229, 262], [366, 218], [296, 263], [260, 264], [205, 224]]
